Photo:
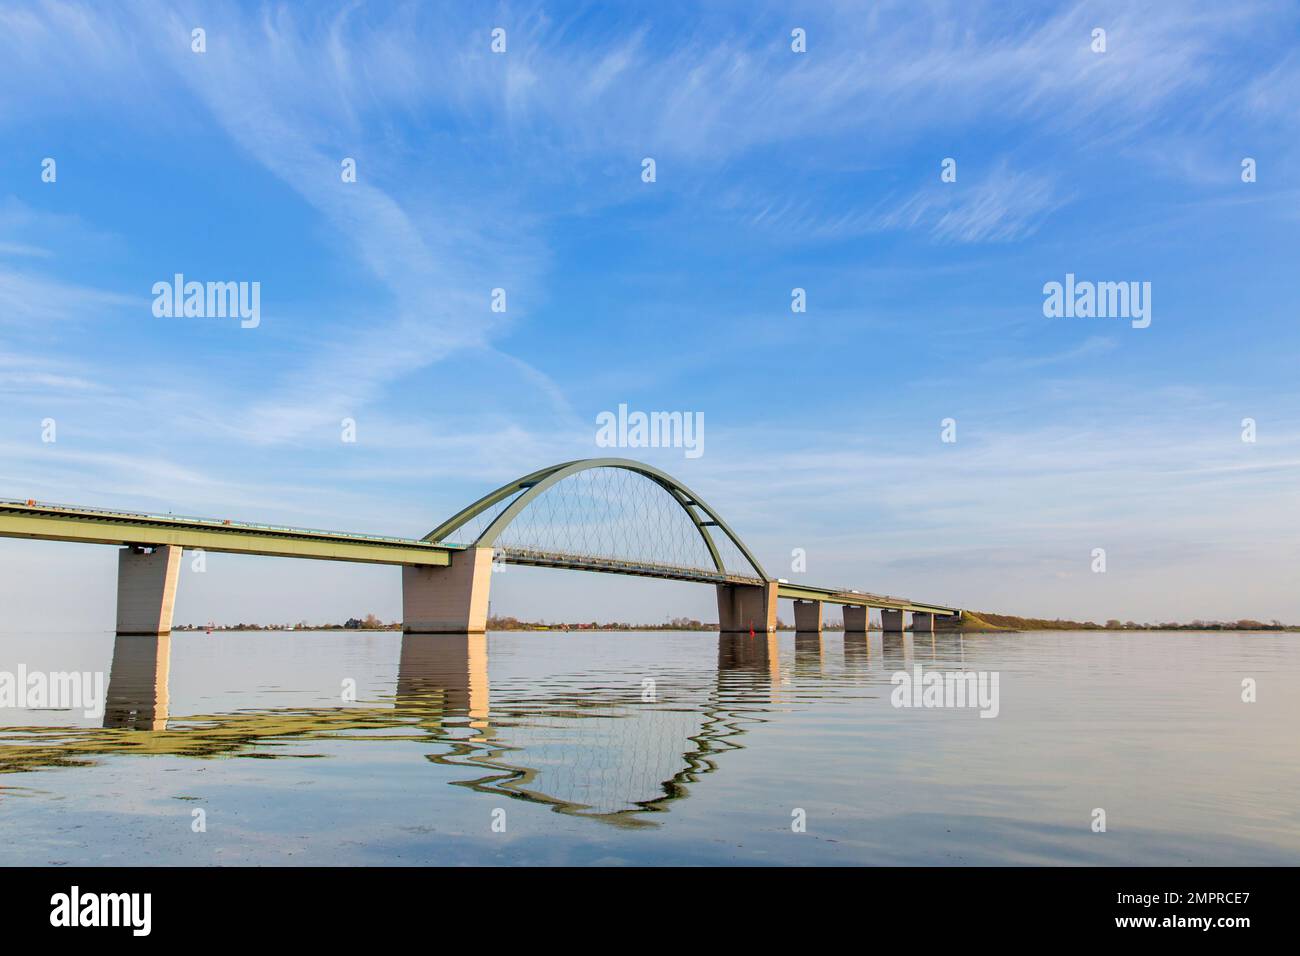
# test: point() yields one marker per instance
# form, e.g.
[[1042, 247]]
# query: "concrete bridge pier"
[[855, 619], [448, 600], [922, 623], [808, 617], [891, 622], [746, 607], [146, 589]]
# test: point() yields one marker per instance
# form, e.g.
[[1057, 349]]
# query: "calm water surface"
[[657, 747]]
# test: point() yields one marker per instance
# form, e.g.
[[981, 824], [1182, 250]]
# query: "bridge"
[[609, 515]]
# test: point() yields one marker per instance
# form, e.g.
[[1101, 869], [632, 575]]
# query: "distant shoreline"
[[972, 622]]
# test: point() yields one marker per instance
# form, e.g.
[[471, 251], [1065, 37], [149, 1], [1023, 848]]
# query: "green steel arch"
[[535, 484]]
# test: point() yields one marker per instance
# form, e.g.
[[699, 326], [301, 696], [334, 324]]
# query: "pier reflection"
[[809, 656], [896, 650], [857, 651], [445, 674], [742, 653], [137, 696]]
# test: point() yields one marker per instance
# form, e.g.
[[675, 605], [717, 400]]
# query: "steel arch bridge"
[[611, 515], [707, 551]]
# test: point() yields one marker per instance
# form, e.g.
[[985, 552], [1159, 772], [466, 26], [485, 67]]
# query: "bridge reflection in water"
[[608, 753]]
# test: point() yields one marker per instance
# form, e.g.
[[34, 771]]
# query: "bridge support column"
[[746, 607], [855, 619], [448, 600], [922, 623], [808, 616], [146, 589], [891, 622]]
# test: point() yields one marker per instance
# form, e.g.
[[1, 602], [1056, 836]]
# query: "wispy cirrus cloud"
[[1091, 347], [29, 301], [1001, 206], [998, 205]]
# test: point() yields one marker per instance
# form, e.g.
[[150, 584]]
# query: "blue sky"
[[775, 170]]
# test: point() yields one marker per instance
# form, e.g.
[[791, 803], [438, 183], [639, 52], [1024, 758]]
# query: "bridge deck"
[[55, 522], [50, 522], [547, 559], [808, 592]]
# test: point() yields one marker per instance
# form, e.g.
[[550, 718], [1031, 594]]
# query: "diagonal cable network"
[[609, 514]]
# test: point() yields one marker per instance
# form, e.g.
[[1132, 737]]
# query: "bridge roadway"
[[51, 522], [157, 532]]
